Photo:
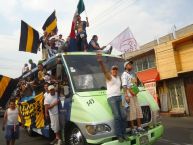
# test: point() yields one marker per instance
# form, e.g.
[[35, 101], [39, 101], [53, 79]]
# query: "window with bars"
[[145, 62]]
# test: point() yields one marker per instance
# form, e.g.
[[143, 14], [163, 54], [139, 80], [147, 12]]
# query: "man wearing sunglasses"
[[114, 99]]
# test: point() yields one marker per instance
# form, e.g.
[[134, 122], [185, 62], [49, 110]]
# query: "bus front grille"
[[146, 116]]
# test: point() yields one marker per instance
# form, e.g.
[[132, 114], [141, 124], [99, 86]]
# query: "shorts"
[[11, 132], [135, 111], [55, 123]]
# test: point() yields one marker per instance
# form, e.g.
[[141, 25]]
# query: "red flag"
[[72, 32]]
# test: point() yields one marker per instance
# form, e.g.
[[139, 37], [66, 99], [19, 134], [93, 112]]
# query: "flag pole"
[[86, 13]]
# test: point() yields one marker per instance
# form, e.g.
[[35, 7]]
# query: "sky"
[[147, 20]]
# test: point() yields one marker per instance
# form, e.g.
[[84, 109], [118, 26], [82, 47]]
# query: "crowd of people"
[[50, 82], [26, 67], [32, 85], [51, 43]]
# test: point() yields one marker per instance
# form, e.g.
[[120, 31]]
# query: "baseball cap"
[[51, 87], [114, 66], [128, 62]]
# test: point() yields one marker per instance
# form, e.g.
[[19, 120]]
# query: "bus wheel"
[[75, 137], [30, 132]]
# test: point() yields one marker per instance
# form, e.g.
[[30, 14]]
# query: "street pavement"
[[178, 131]]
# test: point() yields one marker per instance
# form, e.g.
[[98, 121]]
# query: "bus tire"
[[75, 137]]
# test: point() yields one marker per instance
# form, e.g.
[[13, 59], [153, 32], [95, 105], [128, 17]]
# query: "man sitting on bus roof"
[[93, 44]]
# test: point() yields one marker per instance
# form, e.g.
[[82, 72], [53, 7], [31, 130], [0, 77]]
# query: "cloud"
[[11, 60], [146, 19], [48, 5], [8, 10], [132, 15]]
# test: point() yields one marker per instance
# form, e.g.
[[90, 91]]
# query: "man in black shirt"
[[93, 44]]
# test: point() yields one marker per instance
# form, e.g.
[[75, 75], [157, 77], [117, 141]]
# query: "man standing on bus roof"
[[113, 82], [135, 113], [81, 34], [51, 105]]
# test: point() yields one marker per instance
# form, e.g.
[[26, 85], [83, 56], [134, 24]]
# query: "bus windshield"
[[86, 73]]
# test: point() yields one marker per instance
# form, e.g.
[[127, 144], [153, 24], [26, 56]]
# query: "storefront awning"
[[150, 75]]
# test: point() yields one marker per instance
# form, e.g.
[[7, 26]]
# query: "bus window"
[[59, 69]]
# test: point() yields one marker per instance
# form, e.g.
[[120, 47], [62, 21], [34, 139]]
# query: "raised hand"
[[99, 57]]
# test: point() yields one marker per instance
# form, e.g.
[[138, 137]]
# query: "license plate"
[[144, 140]]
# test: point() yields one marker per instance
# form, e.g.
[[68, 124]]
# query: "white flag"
[[125, 42]]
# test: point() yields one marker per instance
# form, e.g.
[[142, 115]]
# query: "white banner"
[[125, 42]]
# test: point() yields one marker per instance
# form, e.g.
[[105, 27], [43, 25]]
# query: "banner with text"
[[32, 112]]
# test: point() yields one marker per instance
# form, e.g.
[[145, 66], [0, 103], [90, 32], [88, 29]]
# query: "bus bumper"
[[152, 135]]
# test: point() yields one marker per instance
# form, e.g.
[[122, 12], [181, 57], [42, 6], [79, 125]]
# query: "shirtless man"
[[81, 33]]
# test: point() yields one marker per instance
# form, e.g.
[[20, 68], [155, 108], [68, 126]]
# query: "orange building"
[[166, 69]]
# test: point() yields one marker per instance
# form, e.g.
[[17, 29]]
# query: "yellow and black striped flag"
[[51, 23], [7, 86], [29, 39], [32, 111]]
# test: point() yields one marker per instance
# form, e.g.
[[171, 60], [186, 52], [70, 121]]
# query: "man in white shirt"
[[59, 42], [135, 113], [113, 82], [51, 105], [46, 91]]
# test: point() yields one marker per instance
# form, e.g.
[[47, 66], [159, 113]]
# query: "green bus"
[[88, 117]]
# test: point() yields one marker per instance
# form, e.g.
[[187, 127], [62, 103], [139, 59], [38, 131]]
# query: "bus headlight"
[[96, 129]]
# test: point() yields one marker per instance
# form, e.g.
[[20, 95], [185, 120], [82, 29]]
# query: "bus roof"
[[68, 54], [88, 53]]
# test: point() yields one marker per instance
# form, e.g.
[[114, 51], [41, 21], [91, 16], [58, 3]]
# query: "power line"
[[106, 10], [114, 13], [109, 12]]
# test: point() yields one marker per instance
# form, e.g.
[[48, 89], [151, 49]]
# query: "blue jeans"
[[115, 104]]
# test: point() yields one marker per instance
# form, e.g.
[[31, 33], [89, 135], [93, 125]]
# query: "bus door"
[[65, 95]]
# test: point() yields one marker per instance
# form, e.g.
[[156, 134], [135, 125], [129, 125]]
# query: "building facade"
[[166, 70]]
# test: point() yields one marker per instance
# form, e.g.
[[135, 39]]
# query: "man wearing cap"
[[128, 83], [51, 105], [113, 82]]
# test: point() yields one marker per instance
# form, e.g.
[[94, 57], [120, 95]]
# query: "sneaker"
[[53, 142], [120, 139], [140, 129], [59, 142], [126, 138], [134, 132]]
